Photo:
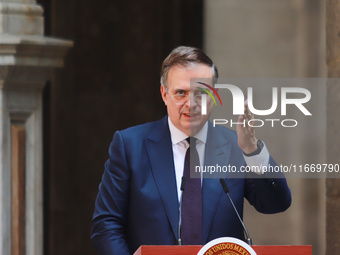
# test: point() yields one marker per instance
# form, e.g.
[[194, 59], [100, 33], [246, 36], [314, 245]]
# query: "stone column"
[[333, 122], [26, 61]]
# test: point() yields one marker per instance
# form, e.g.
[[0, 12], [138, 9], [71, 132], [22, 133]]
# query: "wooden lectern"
[[193, 250]]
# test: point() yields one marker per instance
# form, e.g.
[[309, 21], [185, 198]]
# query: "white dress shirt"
[[180, 146]]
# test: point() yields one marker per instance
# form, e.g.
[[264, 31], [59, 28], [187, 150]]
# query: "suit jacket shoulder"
[[154, 130]]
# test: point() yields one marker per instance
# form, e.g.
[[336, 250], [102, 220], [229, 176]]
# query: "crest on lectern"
[[226, 246]]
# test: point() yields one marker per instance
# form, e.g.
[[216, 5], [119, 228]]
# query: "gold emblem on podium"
[[226, 246]]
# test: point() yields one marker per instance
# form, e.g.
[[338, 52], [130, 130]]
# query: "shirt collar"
[[178, 136]]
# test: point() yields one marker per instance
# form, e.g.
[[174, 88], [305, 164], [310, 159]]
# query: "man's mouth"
[[190, 115]]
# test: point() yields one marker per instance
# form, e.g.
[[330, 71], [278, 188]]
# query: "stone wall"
[[333, 133], [278, 39]]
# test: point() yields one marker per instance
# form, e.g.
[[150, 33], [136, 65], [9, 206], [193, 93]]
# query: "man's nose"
[[191, 100]]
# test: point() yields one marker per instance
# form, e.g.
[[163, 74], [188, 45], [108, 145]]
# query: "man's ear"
[[164, 94]]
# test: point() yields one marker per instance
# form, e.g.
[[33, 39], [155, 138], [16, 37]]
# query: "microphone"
[[179, 241], [226, 190]]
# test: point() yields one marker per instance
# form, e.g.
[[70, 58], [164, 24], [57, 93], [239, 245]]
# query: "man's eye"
[[180, 93], [200, 92]]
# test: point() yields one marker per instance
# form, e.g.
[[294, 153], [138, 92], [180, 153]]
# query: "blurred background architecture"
[[110, 81]]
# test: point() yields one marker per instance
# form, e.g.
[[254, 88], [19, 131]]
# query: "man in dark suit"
[[138, 199]]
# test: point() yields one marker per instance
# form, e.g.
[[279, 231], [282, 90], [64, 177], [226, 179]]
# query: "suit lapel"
[[159, 149], [217, 151]]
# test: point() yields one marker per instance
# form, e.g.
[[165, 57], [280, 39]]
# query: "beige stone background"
[[278, 39]]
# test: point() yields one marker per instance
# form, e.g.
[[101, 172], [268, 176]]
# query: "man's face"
[[184, 111]]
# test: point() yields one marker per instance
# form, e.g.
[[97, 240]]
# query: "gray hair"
[[185, 56]]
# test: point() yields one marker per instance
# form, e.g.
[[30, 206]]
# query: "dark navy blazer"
[[137, 203]]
